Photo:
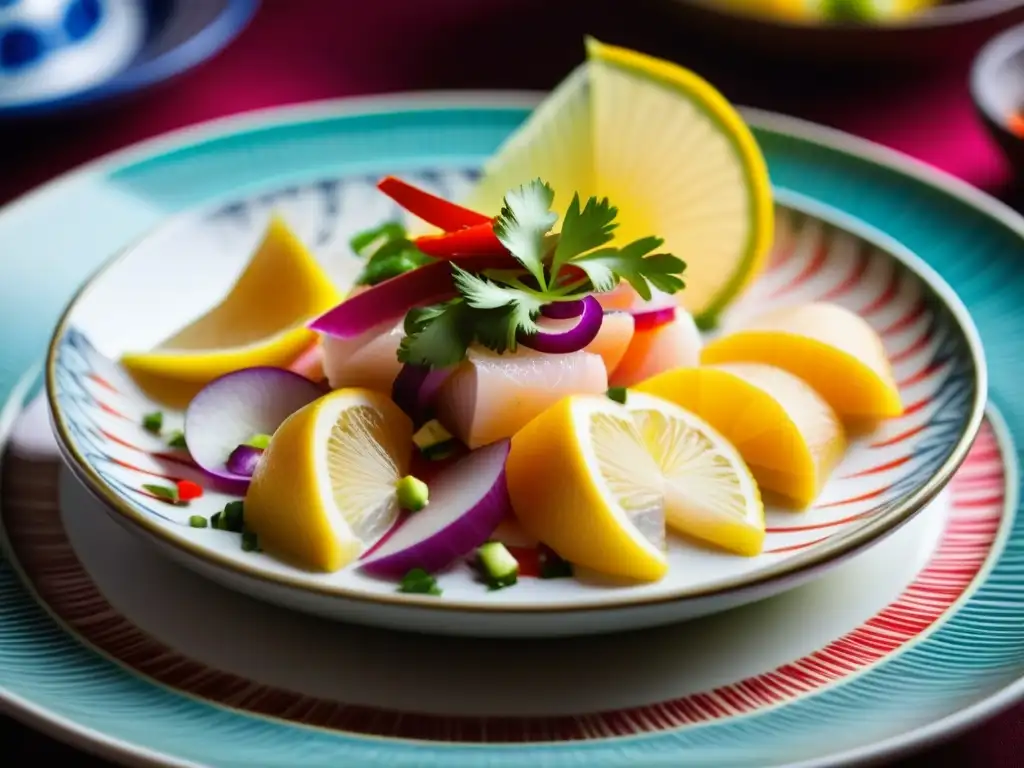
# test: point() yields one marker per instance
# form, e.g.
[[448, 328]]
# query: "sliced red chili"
[[187, 490], [435, 210], [478, 240]]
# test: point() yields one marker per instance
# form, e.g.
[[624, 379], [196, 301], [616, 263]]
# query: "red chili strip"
[[432, 209], [478, 240], [187, 490]]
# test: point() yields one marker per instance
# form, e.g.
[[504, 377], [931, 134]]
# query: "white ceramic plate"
[[85, 664], [456, 701], [185, 266]]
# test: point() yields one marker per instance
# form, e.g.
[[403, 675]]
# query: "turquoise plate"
[[935, 657]]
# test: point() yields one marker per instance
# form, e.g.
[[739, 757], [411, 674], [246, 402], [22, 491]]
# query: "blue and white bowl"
[[52, 48]]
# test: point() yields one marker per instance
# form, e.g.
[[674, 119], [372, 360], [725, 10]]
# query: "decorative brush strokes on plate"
[[795, 703], [932, 342]]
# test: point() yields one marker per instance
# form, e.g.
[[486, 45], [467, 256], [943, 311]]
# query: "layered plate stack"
[[888, 614]]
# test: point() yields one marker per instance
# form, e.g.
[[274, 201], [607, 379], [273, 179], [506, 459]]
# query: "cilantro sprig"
[[495, 308], [388, 252]]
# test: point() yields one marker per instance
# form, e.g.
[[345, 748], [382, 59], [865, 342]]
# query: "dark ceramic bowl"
[[997, 87], [931, 34]]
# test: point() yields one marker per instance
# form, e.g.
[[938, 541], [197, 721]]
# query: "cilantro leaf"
[[631, 264], [389, 230], [390, 253], [584, 230], [437, 336], [523, 224], [497, 329], [513, 309]]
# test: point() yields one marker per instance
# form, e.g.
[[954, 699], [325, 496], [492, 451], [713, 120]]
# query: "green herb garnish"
[[168, 493], [388, 252], [618, 394], [177, 439], [554, 567], [198, 521], [495, 307], [258, 441], [413, 494], [250, 543], [153, 422], [419, 582], [232, 517]]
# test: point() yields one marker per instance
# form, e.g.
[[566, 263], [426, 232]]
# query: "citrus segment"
[[582, 481], [260, 322], [826, 345], [554, 143], [786, 433], [325, 486], [679, 161], [667, 149], [709, 491]]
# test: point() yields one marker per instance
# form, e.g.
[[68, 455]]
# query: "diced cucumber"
[[430, 434], [499, 567], [434, 441]]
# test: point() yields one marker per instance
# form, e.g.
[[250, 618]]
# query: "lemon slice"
[[786, 433], [582, 481], [325, 487], [709, 491], [834, 350], [260, 322], [667, 149], [554, 143]]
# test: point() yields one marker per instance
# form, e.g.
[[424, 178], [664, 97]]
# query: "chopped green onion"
[[258, 441], [413, 493], [217, 521], [233, 516], [177, 439], [419, 582], [198, 521], [618, 394], [153, 422], [249, 541], [500, 568], [164, 492]]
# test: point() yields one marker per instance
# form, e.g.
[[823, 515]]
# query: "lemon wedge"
[[327, 485], [828, 346], [260, 322], [786, 433], [582, 481], [709, 492], [667, 149]]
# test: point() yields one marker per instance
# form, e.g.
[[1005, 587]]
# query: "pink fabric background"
[[299, 50]]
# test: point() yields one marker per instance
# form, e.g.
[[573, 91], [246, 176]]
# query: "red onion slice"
[[563, 310], [415, 390], [467, 501], [231, 409], [243, 460], [652, 317], [572, 339], [387, 302]]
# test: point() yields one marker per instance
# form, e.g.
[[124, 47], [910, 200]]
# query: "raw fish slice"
[[490, 396]]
